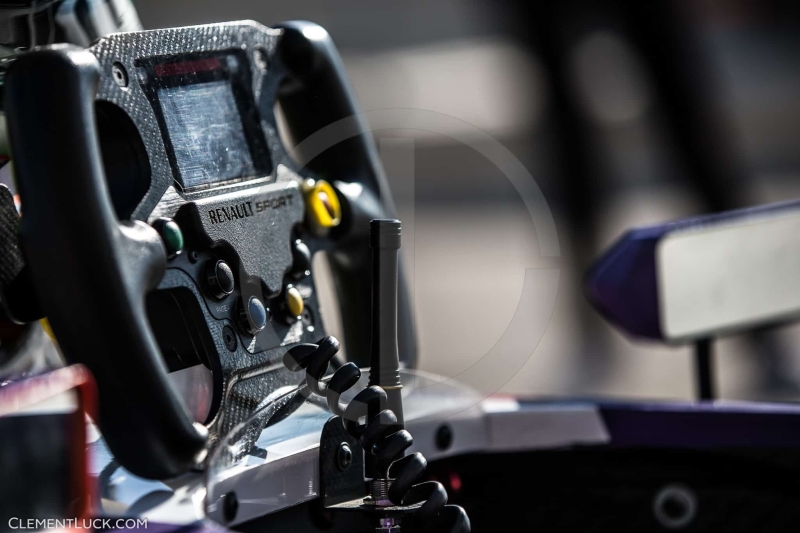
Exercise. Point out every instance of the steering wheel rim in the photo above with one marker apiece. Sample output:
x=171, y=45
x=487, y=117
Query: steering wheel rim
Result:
x=81, y=253
x=310, y=56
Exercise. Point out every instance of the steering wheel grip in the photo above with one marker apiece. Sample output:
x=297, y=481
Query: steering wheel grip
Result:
x=92, y=272
x=316, y=94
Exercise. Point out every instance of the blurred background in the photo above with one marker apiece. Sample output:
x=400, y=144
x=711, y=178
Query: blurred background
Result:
x=624, y=113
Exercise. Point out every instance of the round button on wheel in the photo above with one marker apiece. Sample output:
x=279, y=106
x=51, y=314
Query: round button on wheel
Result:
x=323, y=210
x=294, y=304
x=219, y=278
x=301, y=259
x=252, y=315
x=171, y=235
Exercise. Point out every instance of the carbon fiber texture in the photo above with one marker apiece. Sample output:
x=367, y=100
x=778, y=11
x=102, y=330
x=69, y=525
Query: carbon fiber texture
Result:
x=11, y=261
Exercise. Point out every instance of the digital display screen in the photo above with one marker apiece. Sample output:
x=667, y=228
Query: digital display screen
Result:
x=206, y=131
x=208, y=118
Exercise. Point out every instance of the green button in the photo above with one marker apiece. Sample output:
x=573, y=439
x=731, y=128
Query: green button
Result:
x=171, y=234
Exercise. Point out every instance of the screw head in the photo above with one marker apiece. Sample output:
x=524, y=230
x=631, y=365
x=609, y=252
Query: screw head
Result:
x=344, y=456
x=260, y=58
x=120, y=74
x=675, y=506
x=229, y=337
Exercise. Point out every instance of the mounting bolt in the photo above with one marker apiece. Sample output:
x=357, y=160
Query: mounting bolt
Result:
x=344, y=457
x=260, y=58
x=230, y=506
x=120, y=74
x=229, y=336
x=675, y=506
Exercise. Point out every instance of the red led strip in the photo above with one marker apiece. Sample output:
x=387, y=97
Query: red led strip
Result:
x=187, y=67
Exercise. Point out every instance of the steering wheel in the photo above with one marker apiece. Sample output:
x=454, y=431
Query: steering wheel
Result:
x=151, y=256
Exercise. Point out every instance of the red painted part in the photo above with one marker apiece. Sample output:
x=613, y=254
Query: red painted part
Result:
x=187, y=67
x=30, y=391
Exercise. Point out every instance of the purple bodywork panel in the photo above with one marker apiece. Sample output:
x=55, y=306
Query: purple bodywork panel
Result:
x=622, y=283
x=702, y=425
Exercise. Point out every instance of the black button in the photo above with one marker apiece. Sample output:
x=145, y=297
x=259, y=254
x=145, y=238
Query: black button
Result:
x=252, y=315
x=219, y=278
x=301, y=259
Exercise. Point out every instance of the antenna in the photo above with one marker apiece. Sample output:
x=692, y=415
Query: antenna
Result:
x=384, y=239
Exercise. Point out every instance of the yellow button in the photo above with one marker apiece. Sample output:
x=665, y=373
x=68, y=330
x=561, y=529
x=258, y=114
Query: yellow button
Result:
x=294, y=302
x=324, y=211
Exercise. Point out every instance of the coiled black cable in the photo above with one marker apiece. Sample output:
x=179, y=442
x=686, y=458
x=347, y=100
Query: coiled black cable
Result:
x=380, y=436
